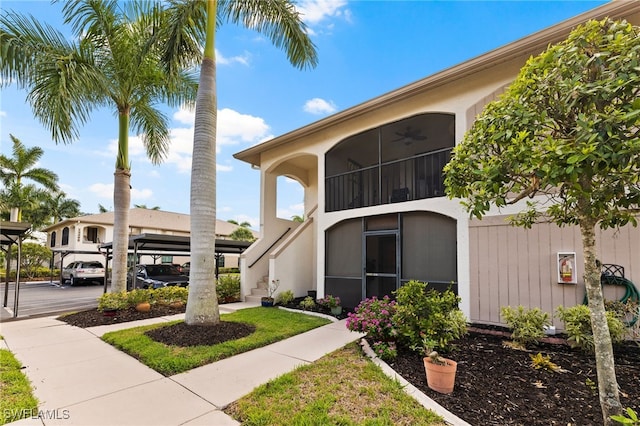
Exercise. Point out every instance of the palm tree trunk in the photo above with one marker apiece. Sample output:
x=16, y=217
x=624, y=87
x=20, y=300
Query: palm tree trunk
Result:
x=121, y=203
x=202, y=304
x=121, y=200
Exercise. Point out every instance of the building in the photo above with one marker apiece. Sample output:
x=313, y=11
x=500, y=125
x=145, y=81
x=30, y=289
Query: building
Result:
x=375, y=211
x=79, y=238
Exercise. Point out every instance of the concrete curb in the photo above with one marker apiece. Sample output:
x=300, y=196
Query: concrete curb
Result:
x=423, y=399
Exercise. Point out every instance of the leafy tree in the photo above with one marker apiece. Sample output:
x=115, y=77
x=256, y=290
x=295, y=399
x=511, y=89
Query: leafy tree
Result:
x=32, y=257
x=245, y=224
x=194, y=22
x=242, y=234
x=102, y=209
x=112, y=61
x=566, y=135
x=235, y=222
x=22, y=165
x=297, y=218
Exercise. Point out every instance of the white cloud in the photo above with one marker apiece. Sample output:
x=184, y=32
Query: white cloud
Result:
x=223, y=60
x=319, y=106
x=223, y=168
x=314, y=11
x=290, y=211
x=3, y=113
x=140, y=194
x=254, y=221
x=102, y=190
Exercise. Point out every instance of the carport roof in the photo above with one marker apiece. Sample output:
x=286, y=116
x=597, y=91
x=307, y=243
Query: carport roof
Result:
x=176, y=243
x=11, y=231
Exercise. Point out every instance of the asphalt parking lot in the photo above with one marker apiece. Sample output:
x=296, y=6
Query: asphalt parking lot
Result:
x=40, y=298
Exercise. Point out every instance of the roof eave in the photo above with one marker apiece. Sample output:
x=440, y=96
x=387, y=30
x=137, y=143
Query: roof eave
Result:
x=535, y=42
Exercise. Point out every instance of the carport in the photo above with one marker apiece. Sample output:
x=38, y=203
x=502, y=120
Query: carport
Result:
x=162, y=244
x=12, y=233
x=64, y=253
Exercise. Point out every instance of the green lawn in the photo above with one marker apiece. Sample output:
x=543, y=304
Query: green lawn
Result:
x=342, y=388
x=16, y=398
x=271, y=325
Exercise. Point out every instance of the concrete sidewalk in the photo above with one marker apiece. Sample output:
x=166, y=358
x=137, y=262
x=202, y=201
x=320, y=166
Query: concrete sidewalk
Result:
x=81, y=380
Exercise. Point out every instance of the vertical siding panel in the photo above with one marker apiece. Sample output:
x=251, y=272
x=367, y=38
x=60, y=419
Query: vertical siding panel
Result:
x=546, y=283
x=633, y=273
x=572, y=241
x=503, y=272
x=511, y=262
x=483, y=260
x=555, y=245
x=521, y=258
x=533, y=266
x=494, y=268
x=474, y=275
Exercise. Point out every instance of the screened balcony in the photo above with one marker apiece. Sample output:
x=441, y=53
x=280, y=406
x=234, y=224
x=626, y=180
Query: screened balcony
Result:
x=398, y=162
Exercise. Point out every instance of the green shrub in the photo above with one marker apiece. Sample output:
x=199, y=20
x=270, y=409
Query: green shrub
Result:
x=527, y=325
x=577, y=321
x=285, y=297
x=426, y=318
x=139, y=295
x=307, y=303
x=116, y=301
x=168, y=295
x=228, y=288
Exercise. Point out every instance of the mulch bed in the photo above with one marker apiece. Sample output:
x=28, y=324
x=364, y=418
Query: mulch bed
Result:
x=93, y=317
x=495, y=385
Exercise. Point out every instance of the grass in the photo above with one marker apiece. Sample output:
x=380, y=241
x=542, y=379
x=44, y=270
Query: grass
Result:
x=271, y=325
x=16, y=397
x=342, y=388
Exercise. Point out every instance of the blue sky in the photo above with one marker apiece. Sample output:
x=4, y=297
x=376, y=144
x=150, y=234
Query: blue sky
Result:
x=365, y=49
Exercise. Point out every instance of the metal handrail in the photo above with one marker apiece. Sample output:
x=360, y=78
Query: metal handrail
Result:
x=270, y=247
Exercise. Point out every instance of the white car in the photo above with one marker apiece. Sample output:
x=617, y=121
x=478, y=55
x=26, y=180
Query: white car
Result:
x=83, y=271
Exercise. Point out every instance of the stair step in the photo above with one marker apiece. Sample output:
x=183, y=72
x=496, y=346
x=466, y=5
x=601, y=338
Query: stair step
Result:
x=252, y=299
x=259, y=292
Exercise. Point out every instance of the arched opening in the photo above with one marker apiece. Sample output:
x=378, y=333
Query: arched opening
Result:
x=65, y=236
x=396, y=162
x=375, y=255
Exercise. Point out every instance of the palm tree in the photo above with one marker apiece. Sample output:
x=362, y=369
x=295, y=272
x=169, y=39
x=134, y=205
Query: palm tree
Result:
x=22, y=166
x=113, y=61
x=192, y=21
x=144, y=206
x=58, y=207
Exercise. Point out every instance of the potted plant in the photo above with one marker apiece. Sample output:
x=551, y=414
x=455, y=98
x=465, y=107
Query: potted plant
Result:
x=110, y=303
x=268, y=301
x=441, y=372
x=332, y=303
x=428, y=320
x=140, y=299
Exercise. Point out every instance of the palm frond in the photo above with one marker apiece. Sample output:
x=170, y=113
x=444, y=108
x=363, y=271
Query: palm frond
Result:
x=154, y=130
x=279, y=21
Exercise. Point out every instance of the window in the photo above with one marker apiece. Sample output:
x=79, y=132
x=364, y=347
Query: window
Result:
x=65, y=236
x=397, y=162
x=53, y=239
x=167, y=259
x=92, y=234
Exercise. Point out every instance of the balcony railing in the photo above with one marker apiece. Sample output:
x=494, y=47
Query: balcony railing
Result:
x=408, y=179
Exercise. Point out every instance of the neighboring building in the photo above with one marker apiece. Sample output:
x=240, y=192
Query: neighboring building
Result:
x=375, y=211
x=78, y=237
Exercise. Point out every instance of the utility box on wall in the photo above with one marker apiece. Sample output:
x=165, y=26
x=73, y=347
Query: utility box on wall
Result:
x=566, y=265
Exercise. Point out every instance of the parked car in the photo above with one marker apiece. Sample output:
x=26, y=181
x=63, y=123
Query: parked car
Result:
x=156, y=276
x=83, y=271
x=184, y=268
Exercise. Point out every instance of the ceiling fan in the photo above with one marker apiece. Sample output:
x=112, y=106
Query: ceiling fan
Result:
x=409, y=135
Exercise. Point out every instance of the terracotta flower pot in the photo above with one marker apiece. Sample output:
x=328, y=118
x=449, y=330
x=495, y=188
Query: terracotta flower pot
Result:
x=440, y=378
x=143, y=307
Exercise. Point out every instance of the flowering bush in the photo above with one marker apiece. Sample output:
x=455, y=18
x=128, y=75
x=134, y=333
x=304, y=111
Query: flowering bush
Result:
x=386, y=351
x=329, y=301
x=373, y=317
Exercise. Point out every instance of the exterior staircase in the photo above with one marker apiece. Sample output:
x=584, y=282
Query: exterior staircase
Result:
x=257, y=293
